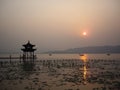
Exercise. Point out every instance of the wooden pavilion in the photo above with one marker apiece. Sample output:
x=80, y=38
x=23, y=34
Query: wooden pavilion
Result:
x=28, y=52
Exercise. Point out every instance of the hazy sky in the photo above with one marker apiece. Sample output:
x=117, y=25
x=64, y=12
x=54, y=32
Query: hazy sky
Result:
x=58, y=24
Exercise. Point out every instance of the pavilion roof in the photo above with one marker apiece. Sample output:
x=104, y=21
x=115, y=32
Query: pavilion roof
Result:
x=28, y=44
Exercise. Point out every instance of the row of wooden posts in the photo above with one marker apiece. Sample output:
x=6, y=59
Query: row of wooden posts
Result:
x=20, y=58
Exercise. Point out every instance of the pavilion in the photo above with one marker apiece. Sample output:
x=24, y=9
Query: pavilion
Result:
x=28, y=52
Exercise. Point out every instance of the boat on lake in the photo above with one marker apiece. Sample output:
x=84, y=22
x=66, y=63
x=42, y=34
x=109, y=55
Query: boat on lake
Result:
x=108, y=54
x=50, y=54
x=81, y=54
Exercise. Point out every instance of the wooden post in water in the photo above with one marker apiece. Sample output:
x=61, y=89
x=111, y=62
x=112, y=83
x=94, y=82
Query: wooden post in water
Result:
x=20, y=58
x=10, y=58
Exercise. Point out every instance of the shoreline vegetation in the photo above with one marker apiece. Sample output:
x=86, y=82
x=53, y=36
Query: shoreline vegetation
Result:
x=64, y=74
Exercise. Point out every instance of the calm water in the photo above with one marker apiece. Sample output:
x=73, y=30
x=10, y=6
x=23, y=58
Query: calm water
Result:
x=77, y=56
x=101, y=72
x=70, y=56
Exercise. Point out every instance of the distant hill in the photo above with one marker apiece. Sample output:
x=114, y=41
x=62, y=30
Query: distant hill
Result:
x=92, y=49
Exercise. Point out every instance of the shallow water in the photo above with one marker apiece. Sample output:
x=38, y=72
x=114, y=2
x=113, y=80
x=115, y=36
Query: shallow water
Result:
x=67, y=56
x=62, y=72
x=67, y=74
x=77, y=56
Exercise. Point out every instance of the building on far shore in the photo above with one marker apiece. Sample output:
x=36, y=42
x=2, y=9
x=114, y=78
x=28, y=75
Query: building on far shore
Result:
x=28, y=52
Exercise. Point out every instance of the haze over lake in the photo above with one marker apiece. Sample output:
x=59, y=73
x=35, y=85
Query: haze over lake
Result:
x=58, y=24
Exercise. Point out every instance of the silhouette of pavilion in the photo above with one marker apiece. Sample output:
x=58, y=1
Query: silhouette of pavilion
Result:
x=28, y=52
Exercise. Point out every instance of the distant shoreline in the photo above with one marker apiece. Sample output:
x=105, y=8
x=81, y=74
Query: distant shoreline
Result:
x=87, y=50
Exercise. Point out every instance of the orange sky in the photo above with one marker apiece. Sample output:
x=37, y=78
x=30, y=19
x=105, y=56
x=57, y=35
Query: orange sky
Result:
x=58, y=24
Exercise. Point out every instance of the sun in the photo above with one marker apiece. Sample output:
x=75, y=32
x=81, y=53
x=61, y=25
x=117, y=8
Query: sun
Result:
x=84, y=33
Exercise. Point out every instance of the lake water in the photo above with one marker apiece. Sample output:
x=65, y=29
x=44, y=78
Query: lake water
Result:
x=62, y=72
x=77, y=56
x=69, y=56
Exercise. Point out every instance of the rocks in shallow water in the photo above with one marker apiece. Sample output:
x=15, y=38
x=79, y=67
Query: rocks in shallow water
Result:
x=65, y=73
x=20, y=81
x=35, y=79
x=26, y=87
x=40, y=89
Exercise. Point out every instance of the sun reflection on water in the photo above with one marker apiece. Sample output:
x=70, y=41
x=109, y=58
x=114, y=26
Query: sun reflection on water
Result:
x=84, y=59
x=84, y=72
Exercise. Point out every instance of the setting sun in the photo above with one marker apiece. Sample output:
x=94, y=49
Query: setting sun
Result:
x=84, y=33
